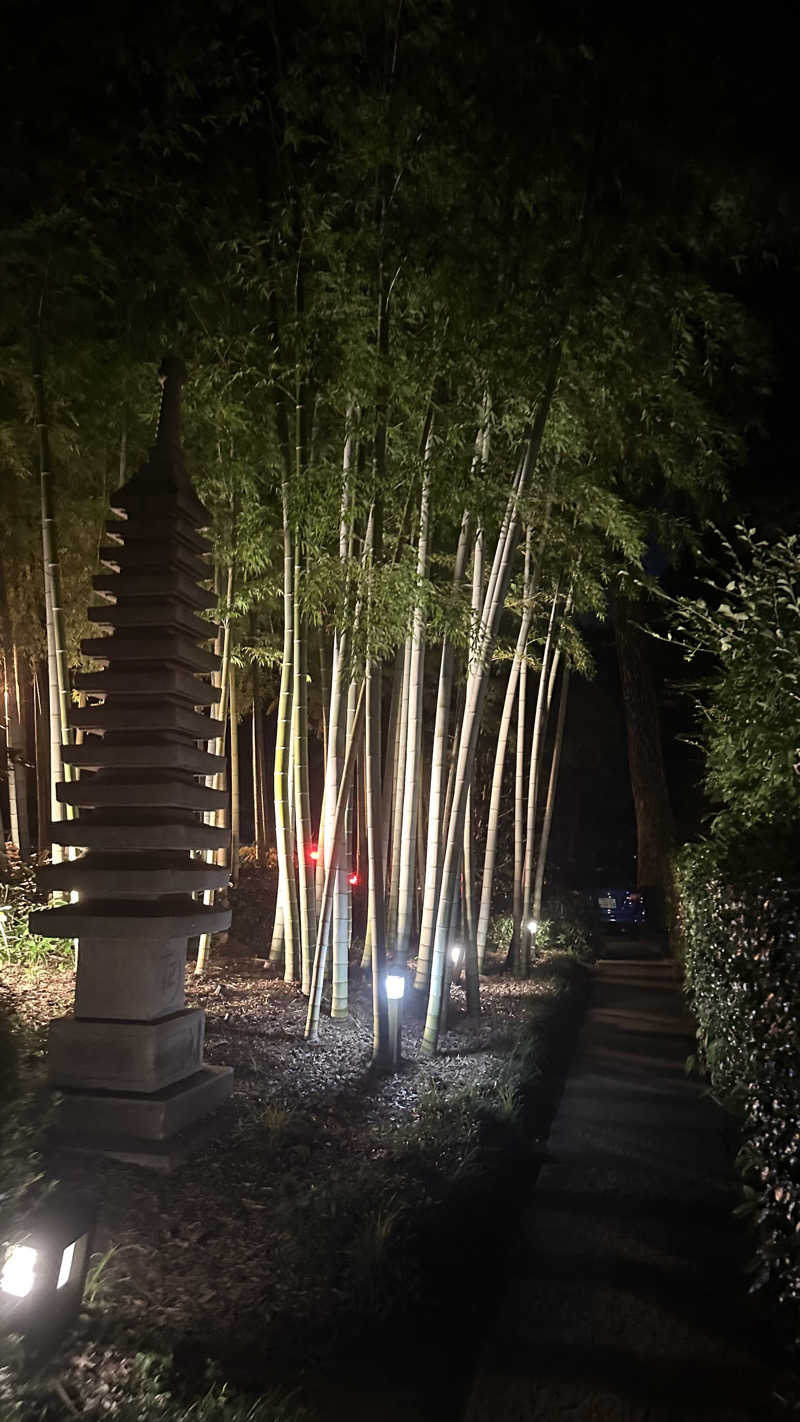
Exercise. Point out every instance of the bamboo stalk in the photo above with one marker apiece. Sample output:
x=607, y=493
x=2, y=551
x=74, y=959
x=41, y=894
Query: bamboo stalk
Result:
x=326, y=903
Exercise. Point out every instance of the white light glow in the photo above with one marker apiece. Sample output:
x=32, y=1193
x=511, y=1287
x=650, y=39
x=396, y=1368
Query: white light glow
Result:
x=395, y=985
x=455, y=953
x=66, y=1264
x=18, y=1271
x=532, y=925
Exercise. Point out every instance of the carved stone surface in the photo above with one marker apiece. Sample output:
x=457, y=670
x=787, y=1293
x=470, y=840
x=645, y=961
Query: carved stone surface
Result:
x=130, y=1060
x=125, y=1056
x=141, y=983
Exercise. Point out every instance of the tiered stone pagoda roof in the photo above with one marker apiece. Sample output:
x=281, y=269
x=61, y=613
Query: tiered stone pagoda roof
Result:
x=129, y=1063
x=138, y=790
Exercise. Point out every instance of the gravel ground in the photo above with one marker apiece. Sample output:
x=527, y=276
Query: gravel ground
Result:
x=228, y=1248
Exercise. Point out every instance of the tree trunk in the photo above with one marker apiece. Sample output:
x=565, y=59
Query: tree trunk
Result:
x=534, y=765
x=344, y=793
x=58, y=671
x=398, y=796
x=519, y=814
x=655, y=828
x=258, y=771
x=305, y=864
x=406, y=877
x=493, y=822
x=324, y=689
x=283, y=828
x=433, y=856
x=391, y=756
x=544, y=844
x=42, y=755
x=468, y=916
x=235, y=802
x=377, y=914
x=15, y=732
x=471, y=974
x=494, y=600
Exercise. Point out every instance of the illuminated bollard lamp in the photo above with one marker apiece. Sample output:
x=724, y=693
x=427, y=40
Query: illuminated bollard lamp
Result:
x=43, y=1272
x=456, y=954
x=395, y=991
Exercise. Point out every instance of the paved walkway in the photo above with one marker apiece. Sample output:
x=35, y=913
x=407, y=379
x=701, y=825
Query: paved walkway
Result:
x=628, y=1303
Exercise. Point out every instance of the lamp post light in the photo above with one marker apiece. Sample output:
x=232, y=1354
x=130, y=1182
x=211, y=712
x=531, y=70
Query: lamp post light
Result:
x=395, y=989
x=456, y=954
x=42, y=1275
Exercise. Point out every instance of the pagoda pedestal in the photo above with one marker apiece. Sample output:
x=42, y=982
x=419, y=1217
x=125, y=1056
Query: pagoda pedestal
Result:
x=128, y=1063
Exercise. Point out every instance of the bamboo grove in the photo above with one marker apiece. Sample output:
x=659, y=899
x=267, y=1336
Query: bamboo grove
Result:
x=461, y=338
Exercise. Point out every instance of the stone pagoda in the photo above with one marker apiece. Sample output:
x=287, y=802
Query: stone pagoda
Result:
x=129, y=1064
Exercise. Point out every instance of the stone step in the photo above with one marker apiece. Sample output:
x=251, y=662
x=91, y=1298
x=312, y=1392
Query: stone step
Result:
x=98, y=754
x=94, y=1115
x=153, y=584
x=125, y=1056
x=128, y=919
x=119, y=648
x=88, y=792
x=147, y=716
x=155, y=681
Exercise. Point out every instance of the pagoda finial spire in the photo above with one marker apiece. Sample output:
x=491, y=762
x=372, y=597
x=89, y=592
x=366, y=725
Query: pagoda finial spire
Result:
x=172, y=376
x=165, y=467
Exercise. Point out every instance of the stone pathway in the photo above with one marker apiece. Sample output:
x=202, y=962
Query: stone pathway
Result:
x=628, y=1302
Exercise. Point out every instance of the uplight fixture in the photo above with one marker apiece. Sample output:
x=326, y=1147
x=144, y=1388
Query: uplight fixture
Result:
x=395, y=986
x=532, y=925
x=43, y=1272
x=395, y=990
x=19, y=1271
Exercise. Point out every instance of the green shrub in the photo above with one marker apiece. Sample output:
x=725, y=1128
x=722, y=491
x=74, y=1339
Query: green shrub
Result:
x=749, y=624
x=567, y=927
x=740, y=926
x=18, y=898
x=501, y=931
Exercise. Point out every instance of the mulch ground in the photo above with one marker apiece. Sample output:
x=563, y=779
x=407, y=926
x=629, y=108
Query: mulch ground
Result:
x=252, y=1248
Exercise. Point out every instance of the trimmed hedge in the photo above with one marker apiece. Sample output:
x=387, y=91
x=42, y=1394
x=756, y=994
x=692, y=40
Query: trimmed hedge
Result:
x=740, y=926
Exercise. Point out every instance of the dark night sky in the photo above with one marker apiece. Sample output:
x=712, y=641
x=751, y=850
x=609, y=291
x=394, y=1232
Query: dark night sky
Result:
x=593, y=830
x=752, y=54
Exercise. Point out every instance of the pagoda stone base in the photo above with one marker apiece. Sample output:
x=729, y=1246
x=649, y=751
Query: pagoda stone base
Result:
x=92, y=1115
x=130, y=984
x=164, y=1155
x=125, y=1056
